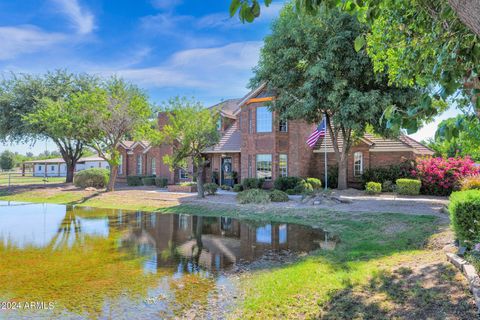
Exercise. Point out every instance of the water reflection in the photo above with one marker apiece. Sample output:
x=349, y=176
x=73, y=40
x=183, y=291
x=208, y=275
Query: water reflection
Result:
x=178, y=257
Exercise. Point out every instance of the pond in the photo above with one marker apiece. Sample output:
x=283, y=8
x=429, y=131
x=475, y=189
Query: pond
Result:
x=84, y=263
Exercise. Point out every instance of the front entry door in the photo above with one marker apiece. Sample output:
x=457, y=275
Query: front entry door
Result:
x=227, y=177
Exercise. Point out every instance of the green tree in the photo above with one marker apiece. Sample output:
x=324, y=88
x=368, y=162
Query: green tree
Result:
x=191, y=129
x=33, y=107
x=112, y=112
x=7, y=160
x=311, y=64
x=416, y=42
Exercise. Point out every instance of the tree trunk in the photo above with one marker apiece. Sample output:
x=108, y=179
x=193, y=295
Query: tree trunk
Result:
x=70, y=171
x=200, y=190
x=342, y=172
x=113, y=177
x=468, y=11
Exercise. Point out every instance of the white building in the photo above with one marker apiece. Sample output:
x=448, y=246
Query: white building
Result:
x=57, y=167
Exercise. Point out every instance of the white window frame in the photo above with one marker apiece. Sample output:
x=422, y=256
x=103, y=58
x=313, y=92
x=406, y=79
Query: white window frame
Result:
x=283, y=169
x=259, y=168
x=139, y=165
x=154, y=166
x=264, y=124
x=357, y=164
x=182, y=174
x=280, y=126
x=120, y=165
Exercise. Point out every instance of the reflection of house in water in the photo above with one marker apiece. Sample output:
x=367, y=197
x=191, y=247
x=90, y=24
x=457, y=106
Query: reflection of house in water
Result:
x=212, y=243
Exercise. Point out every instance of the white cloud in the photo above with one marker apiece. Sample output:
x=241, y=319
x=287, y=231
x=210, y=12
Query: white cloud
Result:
x=25, y=39
x=82, y=18
x=164, y=23
x=221, y=70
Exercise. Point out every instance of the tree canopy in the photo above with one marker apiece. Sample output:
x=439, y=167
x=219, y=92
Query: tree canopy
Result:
x=7, y=160
x=191, y=129
x=311, y=64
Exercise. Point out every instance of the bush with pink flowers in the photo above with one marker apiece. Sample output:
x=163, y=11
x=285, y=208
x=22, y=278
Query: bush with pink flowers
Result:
x=441, y=176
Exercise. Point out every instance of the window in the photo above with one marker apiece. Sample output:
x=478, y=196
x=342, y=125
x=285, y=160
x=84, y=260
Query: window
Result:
x=283, y=165
x=139, y=164
x=182, y=174
x=120, y=165
x=264, y=166
x=183, y=221
x=357, y=164
x=154, y=167
x=219, y=124
x=283, y=126
x=249, y=166
x=282, y=234
x=264, y=119
x=39, y=168
x=264, y=234
x=52, y=168
x=249, y=120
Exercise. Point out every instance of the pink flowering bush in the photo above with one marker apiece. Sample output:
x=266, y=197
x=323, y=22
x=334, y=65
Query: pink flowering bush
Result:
x=441, y=176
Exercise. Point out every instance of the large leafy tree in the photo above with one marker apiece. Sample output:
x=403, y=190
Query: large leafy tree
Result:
x=33, y=107
x=311, y=64
x=417, y=42
x=114, y=111
x=191, y=129
x=7, y=160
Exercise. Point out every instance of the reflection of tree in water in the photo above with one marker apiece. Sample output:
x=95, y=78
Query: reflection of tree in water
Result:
x=77, y=271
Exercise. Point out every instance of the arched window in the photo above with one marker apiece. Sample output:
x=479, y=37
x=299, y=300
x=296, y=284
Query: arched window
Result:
x=357, y=164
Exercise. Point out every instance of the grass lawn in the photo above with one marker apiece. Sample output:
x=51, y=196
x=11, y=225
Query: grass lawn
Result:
x=17, y=180
x=385, y=265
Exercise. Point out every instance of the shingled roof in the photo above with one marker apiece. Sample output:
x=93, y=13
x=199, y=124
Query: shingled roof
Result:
x=227, y=107
x=379, y=144
x=231, y=141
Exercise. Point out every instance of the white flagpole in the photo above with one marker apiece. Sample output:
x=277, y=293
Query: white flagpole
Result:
x=325, y=147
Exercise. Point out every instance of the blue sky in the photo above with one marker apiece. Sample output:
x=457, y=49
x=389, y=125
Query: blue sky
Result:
x=167, y=47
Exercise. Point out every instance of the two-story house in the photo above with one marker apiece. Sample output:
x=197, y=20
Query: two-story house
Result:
x=256, y=143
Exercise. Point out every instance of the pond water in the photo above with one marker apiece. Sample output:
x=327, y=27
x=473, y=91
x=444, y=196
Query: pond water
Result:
x=83, y=263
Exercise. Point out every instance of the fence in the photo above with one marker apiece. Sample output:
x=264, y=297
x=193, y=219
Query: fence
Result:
x=9, y=179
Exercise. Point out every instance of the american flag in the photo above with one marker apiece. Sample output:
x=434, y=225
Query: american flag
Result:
x=320, y=131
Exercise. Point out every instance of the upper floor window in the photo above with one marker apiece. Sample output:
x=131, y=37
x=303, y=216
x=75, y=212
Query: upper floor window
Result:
x=283, y=126
x=249, y=120
x=264, y=119
x=357, y=164
x=264, y=166
x=283, y=165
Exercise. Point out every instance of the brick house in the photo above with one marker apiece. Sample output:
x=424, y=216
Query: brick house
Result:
x=255, y=143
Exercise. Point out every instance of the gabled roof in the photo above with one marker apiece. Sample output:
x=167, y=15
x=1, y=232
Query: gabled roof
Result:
x=127, y=144
x=252, y=94
x=231, y=141
x=380, y=144
x=227, y=107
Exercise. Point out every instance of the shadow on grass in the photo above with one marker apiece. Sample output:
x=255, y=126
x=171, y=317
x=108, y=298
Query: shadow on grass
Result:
x=429, y=293
x=84, y=199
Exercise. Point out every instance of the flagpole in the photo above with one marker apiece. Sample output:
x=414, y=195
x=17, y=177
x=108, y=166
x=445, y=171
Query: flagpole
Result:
x=325, y=148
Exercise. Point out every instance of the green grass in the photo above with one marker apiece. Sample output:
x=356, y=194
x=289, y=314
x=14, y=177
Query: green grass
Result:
x=17, y=179
x=369, y=244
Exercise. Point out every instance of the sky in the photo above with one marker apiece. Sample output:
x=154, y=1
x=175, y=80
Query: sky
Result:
x=168, y=47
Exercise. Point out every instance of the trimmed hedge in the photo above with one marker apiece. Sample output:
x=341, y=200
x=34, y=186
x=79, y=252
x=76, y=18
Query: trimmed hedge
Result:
x=161, y=182
x=91, y=178
x=253, y=183
x=285, y=183
x=388, y=173
x=388, y=186
x=464, y=211
x=373, y=187
x=315, y=183
x=256, y=196
x=409, y=187
x=210, y=188
x=238, y=187
x=278, y=196
x=148, y=181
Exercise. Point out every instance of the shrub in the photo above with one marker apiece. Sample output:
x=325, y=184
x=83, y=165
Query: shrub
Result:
x=225, y=187
x=238, y=188
x=285, y=183
x=161, y=182
x=441, y=176
x=470, y=183
x=388, y=173
x=134, y=180
x=332, y=177
x=387, y=186
x=91, y=178
x=148, y=181
x=257, y=196
x=211, y=188
x=278, y=196
x=253, y=183
x=188, y=183
x=315, y=183
x=408, y=186
x=464, y=211
x=373, y=187
x=290, y=192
